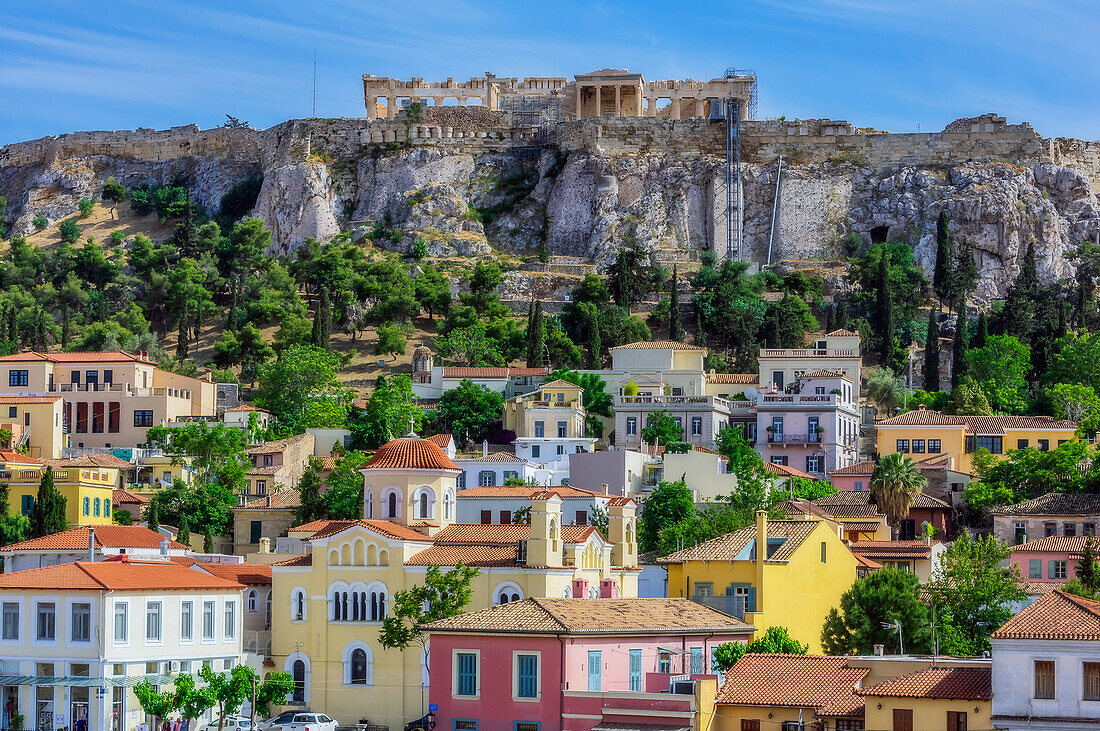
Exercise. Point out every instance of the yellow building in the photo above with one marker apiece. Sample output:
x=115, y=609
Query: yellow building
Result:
x=925, y=432
x=34, y=422
x=549, y=423
x=794, y=583
x=328, y=602
x=88, y=488
x=951, y=698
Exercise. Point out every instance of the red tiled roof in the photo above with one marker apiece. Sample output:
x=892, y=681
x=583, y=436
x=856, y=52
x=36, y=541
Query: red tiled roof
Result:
x=242, y=573
x=784, y=471
x=857, y=503
x=10, y=456
x=727, y=547
x=950, y=683
x=106, y=536
x=560, y=383
x=492, y=457
x=893, y=549
x=617, y=501
x=282, y=500
x=1054, y=544
x=507, y=372
x=275, y=446
x=305, y=559
x=865, y=467
x=976, y=424
x=657, y=345
x=734, y=378
x=486, y=545
x=384, y=527
x=125, y=497
x=30, y=399
x=525, y=492
x=842, y=334
x=443, y=440
x=1055, y=503
x=412, y=453
x=1054, y=616
x=123, y=574
x=311, y=527
x=108, y=461
x=105, y=356
x=866, y=562
x=825, y=683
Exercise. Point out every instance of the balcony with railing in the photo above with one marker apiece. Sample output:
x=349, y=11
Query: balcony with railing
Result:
x=124, y=389
x=811, y=400
x=683, y=403
x=809, y=352
x=809, y=439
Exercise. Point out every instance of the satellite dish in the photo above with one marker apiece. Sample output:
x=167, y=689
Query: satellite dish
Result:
x=751, y=393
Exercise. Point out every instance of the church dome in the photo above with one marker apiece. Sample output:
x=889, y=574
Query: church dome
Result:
x=410, y=453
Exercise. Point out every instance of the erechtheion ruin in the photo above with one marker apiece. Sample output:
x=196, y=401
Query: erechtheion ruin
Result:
x=607, y=92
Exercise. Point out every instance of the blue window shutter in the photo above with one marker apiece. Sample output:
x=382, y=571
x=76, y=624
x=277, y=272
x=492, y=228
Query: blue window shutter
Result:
x=1050, y=569
x=751, y=601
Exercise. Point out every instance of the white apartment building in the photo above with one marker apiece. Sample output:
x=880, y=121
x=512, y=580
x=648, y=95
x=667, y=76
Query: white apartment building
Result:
x=76, y=637
x=89, y=543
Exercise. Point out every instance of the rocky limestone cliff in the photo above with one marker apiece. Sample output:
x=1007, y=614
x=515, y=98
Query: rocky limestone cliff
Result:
x=470, y=192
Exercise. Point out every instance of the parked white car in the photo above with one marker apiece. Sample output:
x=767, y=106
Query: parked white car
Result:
x=232, y=723
x=306, y=722
x=278, y=720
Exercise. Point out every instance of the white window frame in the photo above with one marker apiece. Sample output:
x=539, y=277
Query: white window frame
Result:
x=229, y=620
x=455, y=652
x=538, y=676
x=213, y=636
x=154, y=610
x=124, y=641
x=189, y=625
x=72, y=604
x=18, y=602
x=40, y=603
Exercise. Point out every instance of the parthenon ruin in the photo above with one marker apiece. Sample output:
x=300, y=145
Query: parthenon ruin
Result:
x=607, y=92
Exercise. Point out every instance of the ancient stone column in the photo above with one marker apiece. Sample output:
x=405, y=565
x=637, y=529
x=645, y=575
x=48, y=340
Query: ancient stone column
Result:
x=391, y=106
x=675, y=109
x=599, y=100
x=372, y=107
x=618, y=100
x=638, y=101
x=579, y=89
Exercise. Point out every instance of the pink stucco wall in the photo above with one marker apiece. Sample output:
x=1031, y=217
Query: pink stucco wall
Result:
x=496, y=710
x=848, y=482
x=1021, y=560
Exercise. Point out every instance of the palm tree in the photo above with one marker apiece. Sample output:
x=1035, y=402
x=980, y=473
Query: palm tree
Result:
x=894, y=483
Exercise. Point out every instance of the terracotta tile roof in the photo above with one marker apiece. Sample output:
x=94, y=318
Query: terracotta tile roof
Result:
x=842, y=334
x=824, y=683
x=976, y=424
x=491, y=457
x=950, y=683
x=443, y=440
x=617, y=501
x=593, y=616
x=115, y=575
x=105, y=356
x=727, y=547
x=107, y=461
x=1054, y=616
x=798, y=506
x=865, y=467
x=386, y=528
x=1055, y=503
x=5, y=400
x=311, y=527
x=106, y=536
x=784, y=471
x=851, y=503
x=1038, y=588
x=658, y=345
x=480, y=555
x=824, y=373
x=893, y=549
x=125, y=497
x=276, y=445
x=507, y=372
x=862, y=526
x=269, y=470
x=242, y=573
x=10, y=456
x=560, y=383
x=734, y=378
x=305, y=559
x=282, y=500
x=866, y=562
x=525, y=492
x=487, y=545
x=1054, y=544
x=404, y=454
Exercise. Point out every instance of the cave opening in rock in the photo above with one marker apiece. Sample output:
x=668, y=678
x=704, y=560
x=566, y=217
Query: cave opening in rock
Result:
x=878, y=234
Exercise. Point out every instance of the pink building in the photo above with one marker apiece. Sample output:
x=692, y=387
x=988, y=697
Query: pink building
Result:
x=570, y=664
x=812, y=425
x=1051, y=559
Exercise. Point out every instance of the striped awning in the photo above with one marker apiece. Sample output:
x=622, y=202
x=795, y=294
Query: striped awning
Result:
x=80, y=681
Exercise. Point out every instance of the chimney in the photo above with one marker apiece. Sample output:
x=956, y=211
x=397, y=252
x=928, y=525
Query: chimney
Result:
x=605, y=489
x=927, y=540
x=580, y=588
x=91, y=543
x=761, y=556
x=163, y=546
x=484, y=447
x=879, y=650
x=265, y=545
x=607, y=589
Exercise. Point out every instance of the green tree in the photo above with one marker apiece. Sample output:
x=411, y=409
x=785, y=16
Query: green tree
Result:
x=208, y=542
x=1077, y=403
x=245, y=347
x=631, y=277
x=958, y=350
x=943, y=255
x=152, y=519
x=441, y=596
x=1088, y=569
x=1076, y=360
x=932, y=354
x=536, y=336
x=433, y=291
x=86, y=206
x=229, y=690
x=662, y=429
x=471, y=346
x=47, y=516
x=973, y=592
x=302, y=390
x=13, y=527
x=216, y=453
x=672, y=503
x=888, y=596
x=471, y=410
x=786, y=322
x=675, y=325
x=113, y=190
x=391, y=341
x=740, y=455
x=155, y=703
x=344, y=494
x=1028, y=473
x=183, y=535
x=69, y=230
x=1000, y=370
x=387, y=413
x=981, y=331
x=776, y=640
x=208, y=507
x=885, y=390
x=894, y=483
x=594, y=397
x=190, y=701
x=968, y=398
x=311, y=504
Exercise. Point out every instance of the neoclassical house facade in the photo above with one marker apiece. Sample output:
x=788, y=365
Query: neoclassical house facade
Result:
x=329, y=601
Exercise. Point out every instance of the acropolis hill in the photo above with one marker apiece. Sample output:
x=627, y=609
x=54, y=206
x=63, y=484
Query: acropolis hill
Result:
x=580, y=166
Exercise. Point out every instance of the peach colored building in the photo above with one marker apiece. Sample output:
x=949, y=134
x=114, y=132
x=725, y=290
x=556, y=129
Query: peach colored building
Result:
x=109, y=398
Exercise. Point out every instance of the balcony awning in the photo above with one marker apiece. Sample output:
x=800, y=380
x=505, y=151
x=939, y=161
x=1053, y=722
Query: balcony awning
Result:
x=81, y=681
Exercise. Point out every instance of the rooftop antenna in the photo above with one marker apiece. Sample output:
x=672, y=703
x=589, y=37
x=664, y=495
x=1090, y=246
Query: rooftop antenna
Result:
x=314, y=83
x=896, y=624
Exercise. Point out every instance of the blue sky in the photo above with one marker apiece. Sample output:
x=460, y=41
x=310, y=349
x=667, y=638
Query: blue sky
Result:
x=892, y=64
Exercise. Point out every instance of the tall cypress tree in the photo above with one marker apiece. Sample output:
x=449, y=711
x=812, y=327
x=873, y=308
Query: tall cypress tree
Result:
x=48, y=514
x=184, y=533
x=312, y=506
x=981, y=331
x=152, y=516
x=932, y=354
x=208, y=542
x=958, y=350
x=675, y=326
x=181, y=336
x=943, y=255
x=841, y=305
x=536, y=335
x=885, y=312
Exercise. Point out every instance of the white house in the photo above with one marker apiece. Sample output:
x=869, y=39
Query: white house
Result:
x=95, y=629
x=509, y=381
x=487, y=505
x=493, y=468
x=89, y=543
x=1046, y=666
